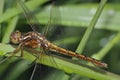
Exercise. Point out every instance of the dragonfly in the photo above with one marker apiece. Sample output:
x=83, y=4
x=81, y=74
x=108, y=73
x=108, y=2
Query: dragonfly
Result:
x=34, y=39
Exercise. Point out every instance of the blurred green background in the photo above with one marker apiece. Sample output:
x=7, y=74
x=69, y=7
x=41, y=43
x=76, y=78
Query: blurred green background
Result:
x=70, y=19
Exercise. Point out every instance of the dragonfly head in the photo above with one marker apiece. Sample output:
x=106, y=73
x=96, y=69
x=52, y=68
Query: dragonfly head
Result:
x=15, y=37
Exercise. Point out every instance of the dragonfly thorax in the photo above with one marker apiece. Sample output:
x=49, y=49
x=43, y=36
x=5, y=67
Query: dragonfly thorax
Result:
x=34, y=40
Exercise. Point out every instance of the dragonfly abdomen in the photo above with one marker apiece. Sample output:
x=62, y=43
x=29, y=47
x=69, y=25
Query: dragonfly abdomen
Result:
x=55, y=48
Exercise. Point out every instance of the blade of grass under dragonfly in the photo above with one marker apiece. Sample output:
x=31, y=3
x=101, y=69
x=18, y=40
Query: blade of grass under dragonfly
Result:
x=71, y=67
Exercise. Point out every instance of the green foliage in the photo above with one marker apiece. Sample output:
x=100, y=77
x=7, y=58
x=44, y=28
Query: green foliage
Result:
x=102, y=38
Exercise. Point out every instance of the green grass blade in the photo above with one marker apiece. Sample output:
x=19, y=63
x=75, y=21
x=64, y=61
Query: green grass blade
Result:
x=10, y=28
x=69, y=67
x=11, y=12
x=109, y=19
x=91, y=26
x=17, y=70
x=107, y=47
x=1, y=11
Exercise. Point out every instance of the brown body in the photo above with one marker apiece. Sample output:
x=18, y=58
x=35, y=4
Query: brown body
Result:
x=34, y=40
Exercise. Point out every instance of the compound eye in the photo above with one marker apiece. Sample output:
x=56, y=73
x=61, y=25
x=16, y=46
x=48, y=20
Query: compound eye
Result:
x=15, y=37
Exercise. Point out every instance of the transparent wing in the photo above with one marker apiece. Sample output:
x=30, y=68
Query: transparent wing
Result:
x=29, y=16
x=54, y=19
x=53, y=30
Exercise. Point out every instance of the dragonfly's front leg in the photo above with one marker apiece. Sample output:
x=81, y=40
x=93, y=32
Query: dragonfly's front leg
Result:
x=13, y=53
x=17, y=50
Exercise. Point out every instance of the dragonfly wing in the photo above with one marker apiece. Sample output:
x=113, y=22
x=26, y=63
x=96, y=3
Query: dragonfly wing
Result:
x=54, y=18
x=31, y=19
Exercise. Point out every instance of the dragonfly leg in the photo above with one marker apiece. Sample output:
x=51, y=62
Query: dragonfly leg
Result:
x=21, y=51
x=12, y=54
x=17, y=49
